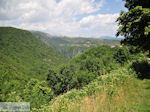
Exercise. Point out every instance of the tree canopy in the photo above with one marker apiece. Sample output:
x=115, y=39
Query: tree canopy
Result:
x=134, y=24
x=130, y=4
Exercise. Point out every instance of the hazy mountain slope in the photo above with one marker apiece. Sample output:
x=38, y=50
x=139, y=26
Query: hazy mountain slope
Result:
x=69, y=47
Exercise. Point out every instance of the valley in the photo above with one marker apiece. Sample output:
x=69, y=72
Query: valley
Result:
x=61, y=74
x=74, y=56
x=71, y=46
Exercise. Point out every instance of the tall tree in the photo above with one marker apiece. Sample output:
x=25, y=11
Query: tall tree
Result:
x=134, y=24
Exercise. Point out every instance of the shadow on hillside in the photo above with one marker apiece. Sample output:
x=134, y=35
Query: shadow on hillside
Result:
x=142, y=68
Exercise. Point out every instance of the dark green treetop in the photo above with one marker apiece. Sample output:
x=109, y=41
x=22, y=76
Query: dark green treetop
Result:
x=134, y=24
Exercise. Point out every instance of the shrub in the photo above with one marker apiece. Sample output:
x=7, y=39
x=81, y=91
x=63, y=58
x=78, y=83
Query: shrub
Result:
x=142, y=68
x=122, y=55
x=37, y=93
x=62, y=81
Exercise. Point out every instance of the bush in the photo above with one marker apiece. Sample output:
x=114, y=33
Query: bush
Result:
x=37, y=93
x=84, y=78
x=62, y=81
x=122, y=55
x=142, y=68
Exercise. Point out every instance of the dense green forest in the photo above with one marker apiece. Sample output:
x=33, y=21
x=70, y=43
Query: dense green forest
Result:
x=61, y=74
x=24, y=60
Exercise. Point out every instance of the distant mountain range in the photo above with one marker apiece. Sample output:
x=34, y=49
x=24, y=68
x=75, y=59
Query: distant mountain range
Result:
x=69, y=47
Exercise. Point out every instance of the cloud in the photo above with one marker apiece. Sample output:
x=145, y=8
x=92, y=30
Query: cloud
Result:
x=101, y=24
x=58, y=17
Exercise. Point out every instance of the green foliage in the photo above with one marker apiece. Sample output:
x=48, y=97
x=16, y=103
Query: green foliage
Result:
x=130, y=4
x=24, y=61
x=134, y=24
x=96, y=60
x=62, y=81
x=142, y=68
x=126, y=54
x=37, y=93
x=122, y=55
x=86, y=67
x=116, y=92
x=82, y=69
x=23, y=57
x=84, y=77
x=22, y=52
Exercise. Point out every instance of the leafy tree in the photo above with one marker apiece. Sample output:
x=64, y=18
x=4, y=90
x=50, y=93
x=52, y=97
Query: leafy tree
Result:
x=122, y=55
x=53, y=80
x=130, y=4
x=92, y=65
x=84, y=78
x=134, y=24
x=142, y=68
x=62, y=81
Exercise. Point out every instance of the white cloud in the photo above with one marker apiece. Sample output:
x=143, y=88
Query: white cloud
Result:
x=58, y=17
x=102, y=24
x=77, y=7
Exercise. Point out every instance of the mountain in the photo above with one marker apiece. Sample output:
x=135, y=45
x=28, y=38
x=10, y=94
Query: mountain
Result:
x=24, y=64
x=103, y=75
x=23, y=53
x=23, y=57
x=69, y=47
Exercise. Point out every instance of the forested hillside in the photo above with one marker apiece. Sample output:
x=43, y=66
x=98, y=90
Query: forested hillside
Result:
x=102, y=79
x=23, y=57
x=21, y=48
x=61, y=74
x=33, y=71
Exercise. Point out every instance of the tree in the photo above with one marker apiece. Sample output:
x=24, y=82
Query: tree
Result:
x=122, y=55
x=134, y=24
x=54, y=81
x=64, y=80
x=130, y=4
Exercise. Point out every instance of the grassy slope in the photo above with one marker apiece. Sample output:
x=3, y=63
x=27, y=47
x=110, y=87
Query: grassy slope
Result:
x=117, y=91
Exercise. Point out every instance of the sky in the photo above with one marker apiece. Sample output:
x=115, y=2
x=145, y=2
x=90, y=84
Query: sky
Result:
x=73, y=18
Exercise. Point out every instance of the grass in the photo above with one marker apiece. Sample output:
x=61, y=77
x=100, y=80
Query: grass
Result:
x=118, y=91
x=127, y=99
x=145, y=105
